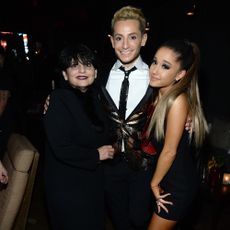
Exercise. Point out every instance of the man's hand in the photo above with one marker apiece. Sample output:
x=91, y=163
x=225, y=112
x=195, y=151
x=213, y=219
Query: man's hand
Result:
x=46, y=105
x=188, y=124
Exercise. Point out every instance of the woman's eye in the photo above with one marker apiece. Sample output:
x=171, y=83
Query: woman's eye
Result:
x=164, y=66
x=74, y=66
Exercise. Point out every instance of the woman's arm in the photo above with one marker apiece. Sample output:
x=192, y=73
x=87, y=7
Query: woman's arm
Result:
x=63, y=114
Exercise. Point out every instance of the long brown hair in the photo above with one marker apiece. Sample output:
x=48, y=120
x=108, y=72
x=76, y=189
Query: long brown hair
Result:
x=188, y=54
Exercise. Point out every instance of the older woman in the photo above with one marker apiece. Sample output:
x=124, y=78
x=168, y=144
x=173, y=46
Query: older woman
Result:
x=77, y=140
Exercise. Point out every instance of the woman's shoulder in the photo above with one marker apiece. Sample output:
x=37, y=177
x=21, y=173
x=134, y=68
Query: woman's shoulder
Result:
x=63, y=96
x=61, y=92
x=180, y=105
x=181, y=100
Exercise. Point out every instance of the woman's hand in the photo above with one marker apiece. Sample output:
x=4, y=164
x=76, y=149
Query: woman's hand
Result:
x=160, y=195
x=106, y=152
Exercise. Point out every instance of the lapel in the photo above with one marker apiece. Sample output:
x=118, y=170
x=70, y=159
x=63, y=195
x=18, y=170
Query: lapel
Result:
x=104, y=75
x=148, y=97
x=109, y=99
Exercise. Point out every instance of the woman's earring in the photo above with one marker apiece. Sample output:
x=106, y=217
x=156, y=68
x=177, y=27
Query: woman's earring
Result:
x=175, y=81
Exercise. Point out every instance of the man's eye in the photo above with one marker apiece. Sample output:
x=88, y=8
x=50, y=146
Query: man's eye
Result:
x=117, y=38
x=134, y=37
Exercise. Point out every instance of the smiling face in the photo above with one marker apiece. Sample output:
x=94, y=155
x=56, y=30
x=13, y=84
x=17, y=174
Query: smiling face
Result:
x=80, y=76
x=127, y=40
x=165, y=69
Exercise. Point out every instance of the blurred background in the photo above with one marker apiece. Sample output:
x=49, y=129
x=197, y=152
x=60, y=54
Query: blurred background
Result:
x=33, y=31
x=45, y=25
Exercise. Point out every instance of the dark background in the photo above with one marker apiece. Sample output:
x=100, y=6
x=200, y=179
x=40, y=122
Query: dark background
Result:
x=52, y=23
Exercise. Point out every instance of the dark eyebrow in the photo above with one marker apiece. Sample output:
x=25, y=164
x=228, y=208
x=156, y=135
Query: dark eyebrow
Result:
x=166, y=62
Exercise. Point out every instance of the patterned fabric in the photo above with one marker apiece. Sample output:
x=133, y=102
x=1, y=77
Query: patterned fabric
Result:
x=128, y=129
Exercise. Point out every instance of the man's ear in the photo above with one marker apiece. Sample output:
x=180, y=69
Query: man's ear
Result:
x=144, y=39
x=180, y=75
x=111, y=40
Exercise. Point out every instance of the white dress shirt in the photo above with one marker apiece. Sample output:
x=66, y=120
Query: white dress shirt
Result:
x=138, y=84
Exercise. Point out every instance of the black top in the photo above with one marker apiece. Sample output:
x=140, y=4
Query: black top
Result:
x=75, y=125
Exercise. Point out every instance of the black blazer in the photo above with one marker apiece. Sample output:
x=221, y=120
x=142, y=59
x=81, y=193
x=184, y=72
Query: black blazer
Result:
x=102, y=80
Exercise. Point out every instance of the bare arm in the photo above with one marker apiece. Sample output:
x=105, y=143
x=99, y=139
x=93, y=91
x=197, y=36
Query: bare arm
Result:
x=175, y=126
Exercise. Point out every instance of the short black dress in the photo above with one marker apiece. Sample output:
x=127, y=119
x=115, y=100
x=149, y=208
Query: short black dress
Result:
x=181, y=181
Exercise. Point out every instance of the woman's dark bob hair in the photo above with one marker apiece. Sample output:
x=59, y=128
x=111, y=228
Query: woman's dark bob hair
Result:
x=76, y=53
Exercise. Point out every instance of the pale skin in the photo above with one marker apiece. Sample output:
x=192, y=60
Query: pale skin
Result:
x=127, y=41
x=163, y=73
x=81, y=77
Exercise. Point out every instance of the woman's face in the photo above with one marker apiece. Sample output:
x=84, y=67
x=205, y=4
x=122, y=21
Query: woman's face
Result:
x=165, y=69
x=80, y=76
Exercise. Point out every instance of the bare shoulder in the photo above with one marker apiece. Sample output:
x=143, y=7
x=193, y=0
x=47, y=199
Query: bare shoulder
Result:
x=179, y=108
x=181, y=102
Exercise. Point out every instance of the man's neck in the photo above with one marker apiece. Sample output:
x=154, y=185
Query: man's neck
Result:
x=128, y=66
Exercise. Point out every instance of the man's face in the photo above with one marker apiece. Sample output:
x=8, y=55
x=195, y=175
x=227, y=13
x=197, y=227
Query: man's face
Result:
x=127, y=41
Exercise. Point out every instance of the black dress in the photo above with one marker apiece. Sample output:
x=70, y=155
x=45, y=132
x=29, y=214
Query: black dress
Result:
x=181, y=180
x=75, y=126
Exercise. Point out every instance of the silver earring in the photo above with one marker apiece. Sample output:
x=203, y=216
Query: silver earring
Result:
x=176, y=81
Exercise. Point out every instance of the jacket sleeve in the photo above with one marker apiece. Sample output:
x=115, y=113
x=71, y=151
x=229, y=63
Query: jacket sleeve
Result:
x=61, y=136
